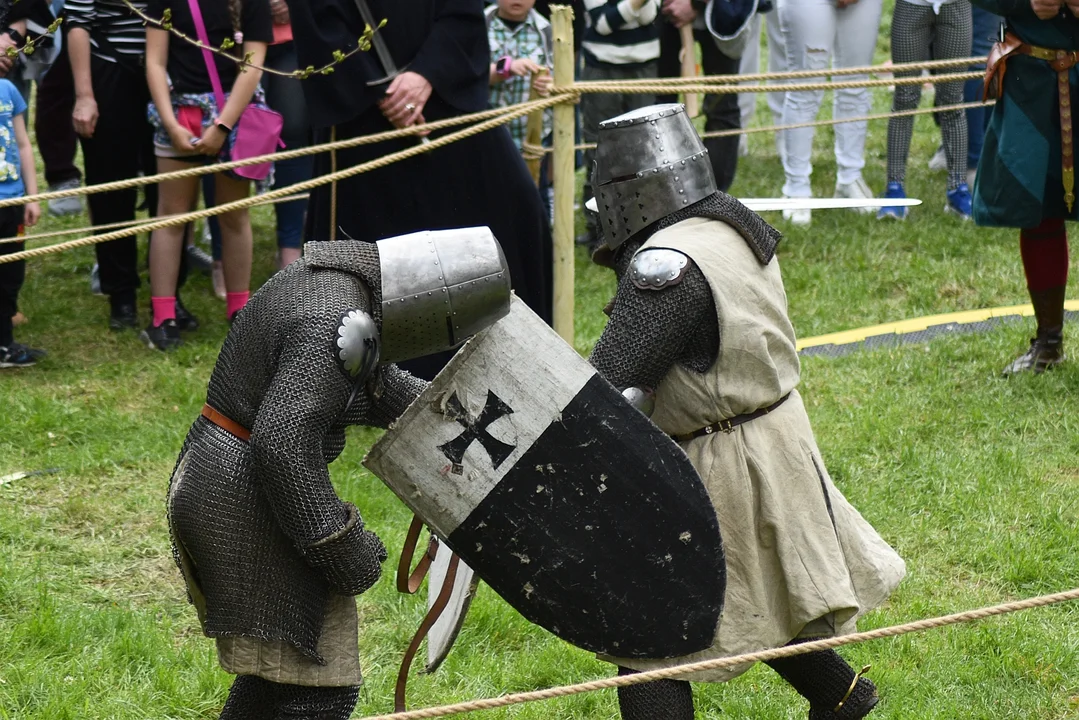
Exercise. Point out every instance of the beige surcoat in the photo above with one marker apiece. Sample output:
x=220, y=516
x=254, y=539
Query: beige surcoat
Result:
x=801, y=561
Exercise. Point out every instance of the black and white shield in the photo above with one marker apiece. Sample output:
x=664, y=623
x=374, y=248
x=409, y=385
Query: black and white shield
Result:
x=572, y=505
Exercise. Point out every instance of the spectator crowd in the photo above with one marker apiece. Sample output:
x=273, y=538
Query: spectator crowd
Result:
x=139, y=100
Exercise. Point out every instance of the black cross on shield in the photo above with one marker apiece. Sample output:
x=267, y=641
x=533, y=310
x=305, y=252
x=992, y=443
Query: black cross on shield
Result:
x=493, y=409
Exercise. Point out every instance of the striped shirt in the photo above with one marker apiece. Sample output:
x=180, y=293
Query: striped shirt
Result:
x=616, y=34
x=122, y=30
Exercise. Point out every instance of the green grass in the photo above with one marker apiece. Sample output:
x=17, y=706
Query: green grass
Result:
x=972, y=478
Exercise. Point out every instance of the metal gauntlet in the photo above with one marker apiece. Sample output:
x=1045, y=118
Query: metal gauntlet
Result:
x=350, y=559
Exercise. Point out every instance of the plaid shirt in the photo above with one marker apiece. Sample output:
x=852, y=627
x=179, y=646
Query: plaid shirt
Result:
x=531, y=39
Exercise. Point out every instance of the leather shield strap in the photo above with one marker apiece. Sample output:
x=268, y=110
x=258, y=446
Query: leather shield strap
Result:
x=410, y=583
x=228, y=425
x=429, y=620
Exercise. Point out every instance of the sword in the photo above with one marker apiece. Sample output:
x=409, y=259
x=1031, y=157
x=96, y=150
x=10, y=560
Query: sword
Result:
x=382, y=51
x=766, y=204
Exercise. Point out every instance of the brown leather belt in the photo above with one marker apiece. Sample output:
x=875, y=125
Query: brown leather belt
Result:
x=230, y=426
x=730, y=424
x=1061, y=61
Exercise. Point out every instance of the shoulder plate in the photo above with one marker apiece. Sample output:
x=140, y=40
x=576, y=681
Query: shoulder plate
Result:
x=657, y=268
x=357, y=343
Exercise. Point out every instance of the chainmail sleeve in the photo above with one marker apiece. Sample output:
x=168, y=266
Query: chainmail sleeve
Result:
x=296, y=419
x=650, y=330
x=392, y=392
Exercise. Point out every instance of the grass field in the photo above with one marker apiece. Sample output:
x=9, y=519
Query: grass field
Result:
x=972, y=478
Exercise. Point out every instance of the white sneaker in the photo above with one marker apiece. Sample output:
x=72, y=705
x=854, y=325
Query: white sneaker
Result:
x=801, y=217
x=65, y=206
x=939, y=161
x=856, y=190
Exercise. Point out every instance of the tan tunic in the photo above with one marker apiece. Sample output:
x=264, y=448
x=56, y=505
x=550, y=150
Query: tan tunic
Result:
x=801, y=561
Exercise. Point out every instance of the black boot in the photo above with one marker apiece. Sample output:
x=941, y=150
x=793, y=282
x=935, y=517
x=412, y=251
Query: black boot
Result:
x=833, y=689
x=656, y=700
x=1047, y=347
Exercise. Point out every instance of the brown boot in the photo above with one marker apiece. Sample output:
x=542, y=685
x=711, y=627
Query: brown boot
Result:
x=1047, y=347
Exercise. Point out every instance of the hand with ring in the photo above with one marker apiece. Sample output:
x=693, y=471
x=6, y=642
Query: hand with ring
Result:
x=404, y=100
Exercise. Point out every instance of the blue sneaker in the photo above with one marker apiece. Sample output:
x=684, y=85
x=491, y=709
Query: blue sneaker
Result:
x=960, y=202
x=894, y=190
x=16, y=356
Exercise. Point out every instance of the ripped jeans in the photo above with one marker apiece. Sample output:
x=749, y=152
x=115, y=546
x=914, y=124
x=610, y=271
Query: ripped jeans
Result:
x=816, y=35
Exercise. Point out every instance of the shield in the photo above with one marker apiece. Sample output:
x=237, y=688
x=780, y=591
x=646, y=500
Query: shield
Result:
x=444, y=631
x=572, y=505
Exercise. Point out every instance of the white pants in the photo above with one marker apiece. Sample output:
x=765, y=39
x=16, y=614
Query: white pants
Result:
x=815, y=34
x=751, y=64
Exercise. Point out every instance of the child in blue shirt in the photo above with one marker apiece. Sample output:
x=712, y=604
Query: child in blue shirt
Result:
x=17, y=179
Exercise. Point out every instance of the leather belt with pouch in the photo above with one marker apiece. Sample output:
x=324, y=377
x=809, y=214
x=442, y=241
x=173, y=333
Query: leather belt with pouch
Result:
x=1062, y=62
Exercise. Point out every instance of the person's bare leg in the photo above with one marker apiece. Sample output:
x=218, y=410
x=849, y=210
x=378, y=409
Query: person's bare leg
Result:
x=166, y=244
x=236, y=241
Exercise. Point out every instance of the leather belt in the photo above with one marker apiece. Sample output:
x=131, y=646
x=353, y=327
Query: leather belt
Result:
x=230, y=426
x=1062, y=61
x=730, y=424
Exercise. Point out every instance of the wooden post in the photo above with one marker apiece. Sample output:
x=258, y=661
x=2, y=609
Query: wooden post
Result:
x=565, y=185
x=534, y=137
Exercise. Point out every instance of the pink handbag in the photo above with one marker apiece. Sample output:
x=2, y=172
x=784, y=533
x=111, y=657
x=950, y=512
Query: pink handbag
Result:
x=258, y=131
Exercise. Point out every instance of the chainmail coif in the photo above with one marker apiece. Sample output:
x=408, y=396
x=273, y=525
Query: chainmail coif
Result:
x=258, y=524
x=650, y=331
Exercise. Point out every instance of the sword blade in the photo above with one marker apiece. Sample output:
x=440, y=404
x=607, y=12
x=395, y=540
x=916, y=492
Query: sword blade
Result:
x=766, y=204
x=377, y=42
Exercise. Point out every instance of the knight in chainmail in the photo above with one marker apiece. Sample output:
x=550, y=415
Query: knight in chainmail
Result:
x=699, y=338
x=272, y=557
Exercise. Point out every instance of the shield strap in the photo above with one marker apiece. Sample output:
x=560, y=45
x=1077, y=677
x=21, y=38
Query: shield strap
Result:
x=429, y=620
x=410, y=583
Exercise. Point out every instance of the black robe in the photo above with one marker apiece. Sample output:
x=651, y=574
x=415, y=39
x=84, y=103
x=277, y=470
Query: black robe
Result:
x=479, y=181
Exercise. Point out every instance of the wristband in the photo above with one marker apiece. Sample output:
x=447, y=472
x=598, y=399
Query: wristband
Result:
x=222, y=127
x=504, y=67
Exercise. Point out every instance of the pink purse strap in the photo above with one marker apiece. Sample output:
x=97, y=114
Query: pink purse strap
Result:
x=207, y=55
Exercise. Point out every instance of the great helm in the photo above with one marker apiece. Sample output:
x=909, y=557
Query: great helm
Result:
x=438, y=288
x=649, y=163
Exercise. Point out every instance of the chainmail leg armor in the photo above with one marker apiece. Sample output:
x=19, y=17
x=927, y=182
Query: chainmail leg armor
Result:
x=656, y=700
x=316, y=703
x=823, y=678
x=259, y=521
x=678, y=325
x=252, y=698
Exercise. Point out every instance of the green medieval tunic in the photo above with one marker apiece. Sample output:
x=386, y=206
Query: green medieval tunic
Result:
x=801, y=560
x=1019, y=175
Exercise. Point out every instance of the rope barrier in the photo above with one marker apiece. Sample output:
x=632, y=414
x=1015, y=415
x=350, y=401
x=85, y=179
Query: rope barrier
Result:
x=726, y=662
x=273, y=157
x=527, y=148
x=516, y=111
x=653, y=86
x=802, y=74
x=719, y=84
x=124, y=223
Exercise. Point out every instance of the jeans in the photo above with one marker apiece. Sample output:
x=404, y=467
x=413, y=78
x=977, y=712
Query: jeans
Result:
x=817, y=34
x=285, y=95
x=986, y=25
x=751, y=64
